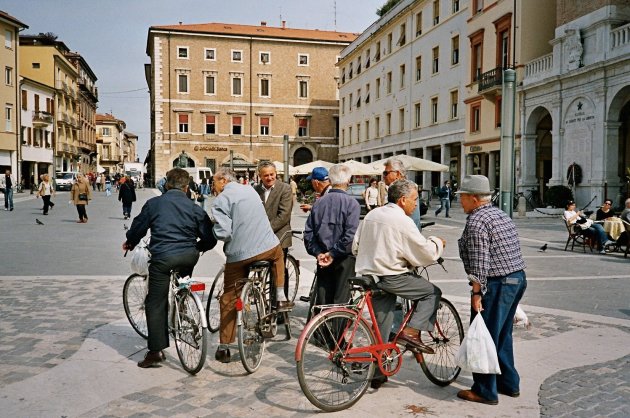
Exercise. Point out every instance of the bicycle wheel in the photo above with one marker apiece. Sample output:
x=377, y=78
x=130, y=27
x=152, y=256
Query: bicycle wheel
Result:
x=190, y=335
x=292, y=277
x=251, y=343
x=331, y=380
x=213, y=313
x=134, y=293
x=441, y=368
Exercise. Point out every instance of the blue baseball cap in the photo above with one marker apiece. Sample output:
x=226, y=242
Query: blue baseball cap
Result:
x=318, y=173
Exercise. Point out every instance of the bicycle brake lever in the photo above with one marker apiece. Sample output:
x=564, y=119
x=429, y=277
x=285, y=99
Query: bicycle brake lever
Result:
x=440, y=261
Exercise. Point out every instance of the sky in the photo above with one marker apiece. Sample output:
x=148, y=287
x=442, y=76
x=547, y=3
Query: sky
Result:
x=112, y=34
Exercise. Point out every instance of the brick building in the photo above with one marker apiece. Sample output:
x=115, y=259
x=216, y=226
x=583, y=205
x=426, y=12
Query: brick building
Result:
x=222, y=91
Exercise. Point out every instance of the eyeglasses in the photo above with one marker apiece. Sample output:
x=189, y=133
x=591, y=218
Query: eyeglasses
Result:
x=386, y=173
x=606, y=203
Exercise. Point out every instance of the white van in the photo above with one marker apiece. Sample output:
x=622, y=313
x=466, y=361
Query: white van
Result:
x=65, y=179
x=200, y=173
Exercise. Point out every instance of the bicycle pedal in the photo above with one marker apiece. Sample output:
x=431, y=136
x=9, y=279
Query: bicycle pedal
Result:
x=304, y=299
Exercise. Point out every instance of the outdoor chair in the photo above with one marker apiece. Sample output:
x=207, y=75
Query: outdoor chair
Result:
x=577, y=236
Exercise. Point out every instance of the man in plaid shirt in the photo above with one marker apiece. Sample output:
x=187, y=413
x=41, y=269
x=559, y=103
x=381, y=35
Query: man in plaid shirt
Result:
x=490, y=250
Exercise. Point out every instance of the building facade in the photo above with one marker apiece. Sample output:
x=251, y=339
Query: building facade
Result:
x=43, y=59
x=37, y=130
x=494, y=45
x=130, y=147
x=224, y=92
x=401, y=89
x=87, y=101
x=576, y=103
x=110, y=143
x=10, y=28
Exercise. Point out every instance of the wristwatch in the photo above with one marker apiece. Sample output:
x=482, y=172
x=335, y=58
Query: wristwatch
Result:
x=473, y=293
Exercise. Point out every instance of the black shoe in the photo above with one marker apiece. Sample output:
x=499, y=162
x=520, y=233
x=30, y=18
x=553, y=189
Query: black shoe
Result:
x=510, y=394
x=222, y=356
x=151, y=359
x=377, y=382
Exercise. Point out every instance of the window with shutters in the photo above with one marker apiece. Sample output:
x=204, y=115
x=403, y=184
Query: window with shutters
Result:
x=264, y=126
x=211, y=124
x=183, y=123
x=24, y=100
x=182, y=83
x=237, y=125
x=302, y=127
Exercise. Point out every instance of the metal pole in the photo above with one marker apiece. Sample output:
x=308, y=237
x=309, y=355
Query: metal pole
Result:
x=231, y=160
x=286, y=157
x=507, y=141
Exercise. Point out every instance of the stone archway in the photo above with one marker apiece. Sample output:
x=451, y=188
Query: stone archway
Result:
x=191, y=162
x=301, y=156
x=618, y=129
x=537, y=151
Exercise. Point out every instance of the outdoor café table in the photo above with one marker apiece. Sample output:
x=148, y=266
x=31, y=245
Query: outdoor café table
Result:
x=614, y=227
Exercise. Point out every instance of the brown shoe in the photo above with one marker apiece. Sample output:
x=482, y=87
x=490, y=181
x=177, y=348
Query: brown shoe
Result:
x=412, y=337
x=469, y=395
x=284, y=305
x=151, y=359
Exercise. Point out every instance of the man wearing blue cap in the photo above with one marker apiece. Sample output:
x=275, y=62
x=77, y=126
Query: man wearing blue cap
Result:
x=320, y=182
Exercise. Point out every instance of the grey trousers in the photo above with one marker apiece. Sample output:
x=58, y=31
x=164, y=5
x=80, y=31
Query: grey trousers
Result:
x=407, y=286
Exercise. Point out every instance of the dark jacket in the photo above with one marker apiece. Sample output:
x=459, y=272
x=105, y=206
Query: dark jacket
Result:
x=127, y=193
x=331, y=225
x=175, y=222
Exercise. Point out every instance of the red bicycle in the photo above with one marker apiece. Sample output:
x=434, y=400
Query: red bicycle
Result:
x=339, y=350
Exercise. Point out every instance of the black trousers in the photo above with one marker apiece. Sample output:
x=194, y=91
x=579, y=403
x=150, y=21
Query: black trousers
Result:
x=47, y=203
x=156, y=303
x=332, y=283
x=82, y=212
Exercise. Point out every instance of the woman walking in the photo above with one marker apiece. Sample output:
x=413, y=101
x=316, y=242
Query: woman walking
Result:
x=127, y=195
x=81, y=193
x=371, y=195
x=46, y=190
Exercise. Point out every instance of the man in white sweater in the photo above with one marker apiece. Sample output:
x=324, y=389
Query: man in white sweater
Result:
x=388, y=246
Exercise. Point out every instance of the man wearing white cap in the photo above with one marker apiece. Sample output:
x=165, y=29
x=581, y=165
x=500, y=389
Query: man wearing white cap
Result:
x=490, y=250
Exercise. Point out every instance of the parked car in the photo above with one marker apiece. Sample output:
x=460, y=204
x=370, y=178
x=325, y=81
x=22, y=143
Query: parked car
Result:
x=356, y=190
x=65, y=179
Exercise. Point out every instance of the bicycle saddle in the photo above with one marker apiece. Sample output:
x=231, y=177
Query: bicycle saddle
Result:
x=260, y=264
x=366, y=282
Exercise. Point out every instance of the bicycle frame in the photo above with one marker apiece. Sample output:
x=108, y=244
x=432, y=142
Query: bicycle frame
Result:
x=368, y=354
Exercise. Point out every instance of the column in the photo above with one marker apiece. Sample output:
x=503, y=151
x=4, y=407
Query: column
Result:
x=469, y=164
x=528, y=161
x=445, y=150
x=426, y=175
x=492, y=169
x=557, y=134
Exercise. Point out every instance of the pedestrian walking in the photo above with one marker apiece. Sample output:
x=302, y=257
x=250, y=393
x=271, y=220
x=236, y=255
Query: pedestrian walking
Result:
x=445, y=198
x=46, y=191
x=101, y=183
x=370, y=195
x=204, y=191
x=81, y=193
x=108, y=186
x=7, y=183
x=127, y=195
x=490, y=250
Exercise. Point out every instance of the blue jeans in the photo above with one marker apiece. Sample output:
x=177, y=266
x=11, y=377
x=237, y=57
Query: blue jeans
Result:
x=597, y=231
x=444, y=203
x=8, y=198
x=499, y=305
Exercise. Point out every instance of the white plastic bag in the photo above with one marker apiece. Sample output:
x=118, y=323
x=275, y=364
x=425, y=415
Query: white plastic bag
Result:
x=140, y=259
x=477, y=352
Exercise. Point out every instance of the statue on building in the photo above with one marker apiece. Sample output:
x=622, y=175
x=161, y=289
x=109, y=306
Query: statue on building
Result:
x=574, y=49
x=182, y=161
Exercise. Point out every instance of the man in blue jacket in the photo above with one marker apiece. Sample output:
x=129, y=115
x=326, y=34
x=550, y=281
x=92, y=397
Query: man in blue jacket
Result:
x=179, y=230
x=242, y=223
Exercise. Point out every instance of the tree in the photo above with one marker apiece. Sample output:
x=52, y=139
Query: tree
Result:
x=390, y=4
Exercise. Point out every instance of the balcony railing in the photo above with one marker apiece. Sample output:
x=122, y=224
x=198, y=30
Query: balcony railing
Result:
x=41, y=118
x=491, y=79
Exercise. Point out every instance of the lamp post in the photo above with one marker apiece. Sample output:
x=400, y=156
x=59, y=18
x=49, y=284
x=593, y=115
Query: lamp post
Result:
x=508, y=105
x=286, y=157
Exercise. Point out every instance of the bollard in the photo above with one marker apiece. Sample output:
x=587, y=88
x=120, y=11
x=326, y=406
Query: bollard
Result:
x=522, y=206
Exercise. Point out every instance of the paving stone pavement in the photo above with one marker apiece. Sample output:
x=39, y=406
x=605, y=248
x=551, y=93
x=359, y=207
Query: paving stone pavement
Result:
x=47, y=319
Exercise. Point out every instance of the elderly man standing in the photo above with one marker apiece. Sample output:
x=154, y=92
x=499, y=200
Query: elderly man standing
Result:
x=395, y=170
x=241, y=222
x=490, y=250
x=277, y=199
x=388, y=246
x=328, y=236
x=320, y=183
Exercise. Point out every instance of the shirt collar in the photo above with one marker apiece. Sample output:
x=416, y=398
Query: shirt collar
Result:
x=478, y=208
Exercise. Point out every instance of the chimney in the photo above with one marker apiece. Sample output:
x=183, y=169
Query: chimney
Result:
x=284, y=24
x=263, y=23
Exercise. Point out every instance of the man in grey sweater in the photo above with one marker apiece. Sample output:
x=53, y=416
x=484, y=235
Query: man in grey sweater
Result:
x=241, y=222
